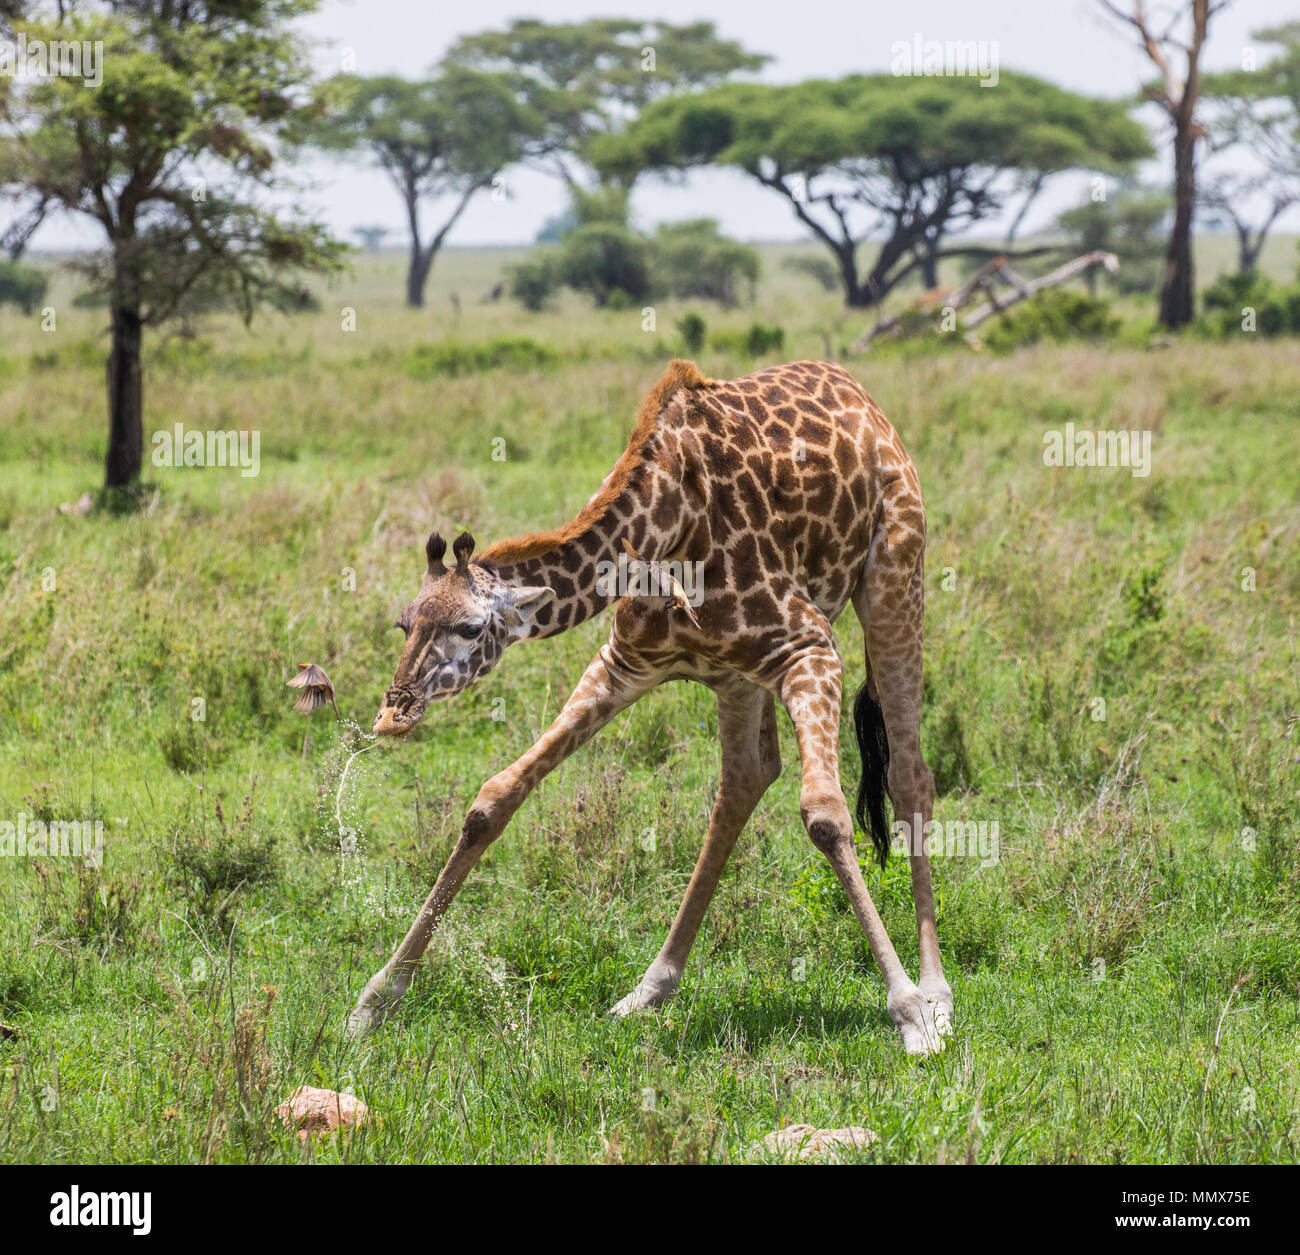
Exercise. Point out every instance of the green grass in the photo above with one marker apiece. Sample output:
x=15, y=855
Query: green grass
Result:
x=1148, y=860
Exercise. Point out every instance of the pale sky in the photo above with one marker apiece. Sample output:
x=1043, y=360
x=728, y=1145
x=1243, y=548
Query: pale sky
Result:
x=1070, y=42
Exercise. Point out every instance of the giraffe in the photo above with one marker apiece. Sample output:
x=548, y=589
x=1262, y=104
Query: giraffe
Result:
x=795, y=493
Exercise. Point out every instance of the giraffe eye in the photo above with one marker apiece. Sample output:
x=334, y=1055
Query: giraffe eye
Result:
x=469, y=630
x=406, y=627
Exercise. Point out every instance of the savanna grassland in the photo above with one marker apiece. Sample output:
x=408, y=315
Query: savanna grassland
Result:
x=1112, y=682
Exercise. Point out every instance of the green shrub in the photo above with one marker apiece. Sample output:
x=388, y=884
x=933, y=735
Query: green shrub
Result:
x=691, y=327
x=602, y=258
x=1276, y=310
x=692, y=260
x=22, y=286
x=1271, y=318
x=1233, y=292
x=758, y=339
x=456, y=357
x=820, y=269
x=19, y=983
x=1052, y=315
x=1290, y=300
x=189, y=747
x=81, y=904
x=534, y=280
x=214, y=864
x=599, y=253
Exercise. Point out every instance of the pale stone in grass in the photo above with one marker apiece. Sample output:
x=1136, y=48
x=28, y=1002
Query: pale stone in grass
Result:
x=313, y=1111
x=811, y=1143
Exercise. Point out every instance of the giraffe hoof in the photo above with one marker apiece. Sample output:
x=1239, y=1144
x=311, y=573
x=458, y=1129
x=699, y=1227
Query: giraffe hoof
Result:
x=939, y=996
x=376, y=1003
x=924, y=1028
x=637, y=1000
x=362, y=1020
x=656, y=988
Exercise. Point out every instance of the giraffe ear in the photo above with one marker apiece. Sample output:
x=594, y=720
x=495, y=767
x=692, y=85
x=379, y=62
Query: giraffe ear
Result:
x=518, y=605
x=463, y=548
x=434, y=548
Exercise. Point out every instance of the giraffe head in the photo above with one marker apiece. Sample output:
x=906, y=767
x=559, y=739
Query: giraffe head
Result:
x=456, y=629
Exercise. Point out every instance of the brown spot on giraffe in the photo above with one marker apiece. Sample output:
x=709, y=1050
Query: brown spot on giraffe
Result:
x=794, y=495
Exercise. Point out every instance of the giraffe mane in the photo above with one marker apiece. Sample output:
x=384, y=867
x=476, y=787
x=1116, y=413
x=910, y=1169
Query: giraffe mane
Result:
x=680, y=374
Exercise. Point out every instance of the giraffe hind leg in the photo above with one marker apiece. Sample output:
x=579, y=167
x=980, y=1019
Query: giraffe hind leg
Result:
x=810, y=690
x=890, y=602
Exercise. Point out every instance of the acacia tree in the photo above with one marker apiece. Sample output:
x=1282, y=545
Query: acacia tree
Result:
x=172, y=156
x=916, y=159
x=587, y=79
x=1257, y=111
x=444, y=138
x=1177, y=95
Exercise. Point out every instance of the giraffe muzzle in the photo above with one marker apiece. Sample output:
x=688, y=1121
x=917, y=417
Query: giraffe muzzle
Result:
x=398, y=714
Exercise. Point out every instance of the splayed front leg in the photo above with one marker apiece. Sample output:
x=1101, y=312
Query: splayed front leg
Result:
x=607, y=686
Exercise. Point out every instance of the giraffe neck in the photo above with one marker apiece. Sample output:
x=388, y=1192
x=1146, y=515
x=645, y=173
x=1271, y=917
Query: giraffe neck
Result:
x=572, y=560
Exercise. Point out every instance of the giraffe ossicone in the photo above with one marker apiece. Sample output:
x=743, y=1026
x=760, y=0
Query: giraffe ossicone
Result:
x=794, y=497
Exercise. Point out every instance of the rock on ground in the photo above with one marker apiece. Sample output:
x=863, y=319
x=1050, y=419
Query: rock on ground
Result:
x=312, y=1111
x=811, y=1143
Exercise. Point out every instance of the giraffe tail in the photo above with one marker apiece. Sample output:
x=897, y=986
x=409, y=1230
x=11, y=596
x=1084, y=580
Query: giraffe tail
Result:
x=873, y=745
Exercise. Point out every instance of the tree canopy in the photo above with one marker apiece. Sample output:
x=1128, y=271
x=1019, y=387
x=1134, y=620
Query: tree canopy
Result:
x=589, y=78
x=912, y=158
x=447, y=136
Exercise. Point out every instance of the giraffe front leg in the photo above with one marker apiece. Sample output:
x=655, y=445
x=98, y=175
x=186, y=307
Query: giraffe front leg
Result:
x=608, y=686
x=810, y=690
x=385, y=989
x=751, y=760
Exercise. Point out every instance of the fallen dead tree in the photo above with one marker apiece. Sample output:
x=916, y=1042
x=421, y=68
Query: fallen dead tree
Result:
x=985, y=282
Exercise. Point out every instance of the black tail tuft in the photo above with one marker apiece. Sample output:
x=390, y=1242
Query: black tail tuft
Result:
x=873, y=745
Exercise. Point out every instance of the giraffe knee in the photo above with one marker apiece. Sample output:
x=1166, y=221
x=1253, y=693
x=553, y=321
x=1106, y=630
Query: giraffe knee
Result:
x=479, y=828
x=827, y=821
x=485, y=820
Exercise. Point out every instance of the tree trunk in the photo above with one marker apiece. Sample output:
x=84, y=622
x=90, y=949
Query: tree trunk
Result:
x=930, y=264
x=417, y=274
x=1247, y=253
x=125, y=400
x=880, y=282
x=856, y=293
x=1177, y=296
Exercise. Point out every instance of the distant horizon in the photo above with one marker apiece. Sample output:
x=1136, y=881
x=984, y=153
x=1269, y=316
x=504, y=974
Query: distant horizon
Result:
x=401, y=249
